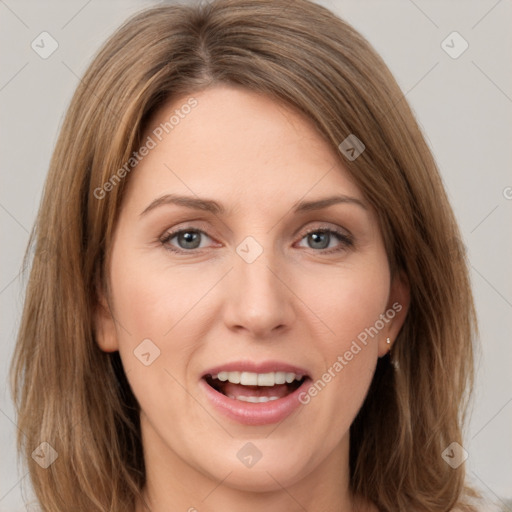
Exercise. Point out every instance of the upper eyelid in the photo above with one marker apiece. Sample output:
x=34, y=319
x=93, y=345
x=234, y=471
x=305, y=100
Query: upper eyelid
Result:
x=336, y=229
x=323, y=227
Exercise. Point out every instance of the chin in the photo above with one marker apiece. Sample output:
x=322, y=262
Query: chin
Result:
x=260, y=465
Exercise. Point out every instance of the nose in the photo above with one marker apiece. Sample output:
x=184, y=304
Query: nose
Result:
x=258, y=301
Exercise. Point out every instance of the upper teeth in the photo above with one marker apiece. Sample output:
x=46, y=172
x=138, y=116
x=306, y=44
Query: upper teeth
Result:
x=258, y=379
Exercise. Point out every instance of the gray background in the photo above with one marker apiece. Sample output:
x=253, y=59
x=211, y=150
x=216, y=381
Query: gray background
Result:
x=464, y=106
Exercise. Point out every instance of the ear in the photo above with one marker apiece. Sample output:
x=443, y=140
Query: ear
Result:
x=396, y=311
x=104, y=324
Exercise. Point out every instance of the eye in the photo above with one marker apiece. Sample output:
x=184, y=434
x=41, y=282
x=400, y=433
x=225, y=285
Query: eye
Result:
x=185, y=240
x=327, y=240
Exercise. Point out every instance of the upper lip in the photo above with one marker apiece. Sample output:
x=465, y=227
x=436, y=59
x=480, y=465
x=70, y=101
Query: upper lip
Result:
x=256, y=367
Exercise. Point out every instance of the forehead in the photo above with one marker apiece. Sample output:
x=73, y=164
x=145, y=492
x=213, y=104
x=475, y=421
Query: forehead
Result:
x=238, y=145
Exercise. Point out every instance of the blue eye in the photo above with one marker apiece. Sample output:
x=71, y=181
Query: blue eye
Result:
x=186, y=239
x=322, y=239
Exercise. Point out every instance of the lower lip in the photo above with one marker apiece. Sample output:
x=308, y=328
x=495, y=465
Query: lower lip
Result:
x=247, y=413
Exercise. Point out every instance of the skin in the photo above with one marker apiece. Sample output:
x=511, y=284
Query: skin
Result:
x=295, y=303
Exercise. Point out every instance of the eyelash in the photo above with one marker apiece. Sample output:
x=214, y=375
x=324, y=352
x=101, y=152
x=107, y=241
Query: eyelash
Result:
x=347, y=241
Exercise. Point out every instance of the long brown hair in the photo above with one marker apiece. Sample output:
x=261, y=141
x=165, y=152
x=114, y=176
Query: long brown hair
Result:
x=75, y=397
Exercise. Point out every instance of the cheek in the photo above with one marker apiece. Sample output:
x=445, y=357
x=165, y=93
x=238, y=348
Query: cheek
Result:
x=151, y=312
x=153, y=299
x=166, y=305
x=158, y=328
x=349, y=301
x=350, y=305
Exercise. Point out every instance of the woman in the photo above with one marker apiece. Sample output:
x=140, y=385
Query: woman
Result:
x=254, y=294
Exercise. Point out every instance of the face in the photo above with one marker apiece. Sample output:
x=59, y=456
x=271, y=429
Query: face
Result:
x=250, y=294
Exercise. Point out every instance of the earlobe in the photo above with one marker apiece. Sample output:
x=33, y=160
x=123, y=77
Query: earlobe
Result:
x=104, y=325
x=396, y=312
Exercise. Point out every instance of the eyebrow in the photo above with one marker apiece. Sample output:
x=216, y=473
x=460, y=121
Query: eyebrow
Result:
x=209, y=205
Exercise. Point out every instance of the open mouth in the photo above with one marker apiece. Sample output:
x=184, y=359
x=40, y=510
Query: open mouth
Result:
x=255, y=387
